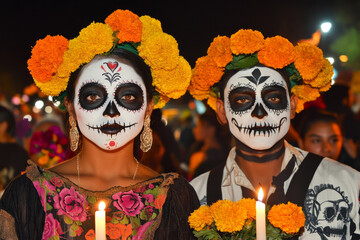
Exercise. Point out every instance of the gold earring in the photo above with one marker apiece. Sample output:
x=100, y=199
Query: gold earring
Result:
x=74, y=134
x=146, y=137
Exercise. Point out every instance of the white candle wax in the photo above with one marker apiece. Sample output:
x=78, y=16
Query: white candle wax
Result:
x=100, y=230
x=260, y=217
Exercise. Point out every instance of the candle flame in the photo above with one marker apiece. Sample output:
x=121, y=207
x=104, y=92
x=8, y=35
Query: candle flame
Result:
x=102, y=206
x=260, y=195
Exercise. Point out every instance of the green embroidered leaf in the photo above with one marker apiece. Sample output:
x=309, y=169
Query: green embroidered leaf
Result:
x=48, y=207
x=47, y=175
x=153, y=216
x=124, y=221
x=67, y=220
x=114, y=221
x=54, y=238
x=143, y=215
x=91, y=200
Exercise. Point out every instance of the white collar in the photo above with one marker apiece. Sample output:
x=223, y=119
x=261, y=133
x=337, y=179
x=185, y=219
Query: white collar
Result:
x=240, y=178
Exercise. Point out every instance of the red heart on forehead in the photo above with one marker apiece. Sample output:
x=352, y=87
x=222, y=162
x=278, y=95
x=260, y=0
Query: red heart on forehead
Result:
x=112, y=65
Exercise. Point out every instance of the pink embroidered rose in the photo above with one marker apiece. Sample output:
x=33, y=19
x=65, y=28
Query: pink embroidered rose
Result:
x=51, y=227
x=149, y=197
x=129, y=202
x=56, y=181
x=72, y=204
x=142, y=230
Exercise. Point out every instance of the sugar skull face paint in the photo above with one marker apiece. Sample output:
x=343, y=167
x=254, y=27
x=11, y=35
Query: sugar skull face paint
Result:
x=257, y=107
x=110, y=103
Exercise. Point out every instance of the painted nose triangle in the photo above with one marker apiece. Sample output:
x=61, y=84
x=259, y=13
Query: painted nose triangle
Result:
x=259, y=111
x=111, y=110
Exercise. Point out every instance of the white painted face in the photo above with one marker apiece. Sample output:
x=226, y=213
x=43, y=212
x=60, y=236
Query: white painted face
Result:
x=110, y=103
x=257, y=107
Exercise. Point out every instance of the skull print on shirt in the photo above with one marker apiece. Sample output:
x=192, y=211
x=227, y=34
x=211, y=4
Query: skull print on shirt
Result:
x=257, y=107
x=110, y=103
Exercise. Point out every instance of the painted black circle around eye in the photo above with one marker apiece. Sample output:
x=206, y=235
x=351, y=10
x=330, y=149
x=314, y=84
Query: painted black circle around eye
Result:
x=241, y=99
x=92, y=95
x=130, y=96
x=275, y=97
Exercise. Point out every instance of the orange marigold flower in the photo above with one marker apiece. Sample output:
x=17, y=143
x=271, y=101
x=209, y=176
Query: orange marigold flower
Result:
x=306, y=92
x=197, y=93
x=200, y=218
x=325, y=88
x=127, y=25
x=205, y=73
x=246, y=41
x=300, y=105
x=288, y=217
x=324, y=76
x=47, y=56
x=277, y=52
x=212, y=102
x=219, y=51
x=309, y=60
x=118, y=231
x=161, y=101
x=250, y=205
x=228, y=216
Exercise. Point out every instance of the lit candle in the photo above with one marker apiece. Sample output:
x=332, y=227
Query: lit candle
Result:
x=100, y=229
x=260, y=217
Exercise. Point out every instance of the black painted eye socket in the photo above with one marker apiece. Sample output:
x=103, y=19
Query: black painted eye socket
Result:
x=241, y=99
x=130, y=96
x=275, y=97
x=92, y=95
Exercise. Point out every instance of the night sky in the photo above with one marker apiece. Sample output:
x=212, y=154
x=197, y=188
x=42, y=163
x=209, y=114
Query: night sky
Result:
x=193, y=23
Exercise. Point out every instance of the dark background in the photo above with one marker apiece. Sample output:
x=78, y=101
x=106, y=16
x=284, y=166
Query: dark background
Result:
x=193, y=23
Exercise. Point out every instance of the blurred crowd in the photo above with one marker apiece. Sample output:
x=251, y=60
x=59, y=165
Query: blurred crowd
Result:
x=186, y=141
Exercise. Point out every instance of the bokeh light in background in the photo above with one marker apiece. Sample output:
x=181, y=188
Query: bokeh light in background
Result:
x=343, y=58
x=325, y=27
x=331, y=60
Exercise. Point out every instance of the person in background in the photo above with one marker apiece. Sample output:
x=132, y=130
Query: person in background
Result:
x=13, y=157
x=321, y=133
x=211, y=151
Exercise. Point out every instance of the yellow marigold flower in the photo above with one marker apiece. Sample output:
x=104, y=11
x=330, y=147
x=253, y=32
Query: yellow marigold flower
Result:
x=306, y=92
x=127, y=25
x=212, y=102
x=246, y=41
x=300, y=105
x=47, y=55
x=173, y=83
x=325, y=88
x=198, y=94
x=324, y=76
x=288, y=217
x=228, y=216
x=200, y=218
x=205, y=73
x=160, y=51
x=309, y=60
x=149, y=27
x=161, y=101
x=219, y=51
x=277, y=52
x=53, y=87
x=250, y=205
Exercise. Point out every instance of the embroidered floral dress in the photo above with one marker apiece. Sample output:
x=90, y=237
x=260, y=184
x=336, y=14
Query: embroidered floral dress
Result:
x=43, y=205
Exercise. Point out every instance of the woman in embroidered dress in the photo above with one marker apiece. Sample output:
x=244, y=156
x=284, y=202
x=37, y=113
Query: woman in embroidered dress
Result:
x=120, y=70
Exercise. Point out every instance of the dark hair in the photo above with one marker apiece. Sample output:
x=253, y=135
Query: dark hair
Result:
x=119, y=54
x=140, y=68
x=308, y=117
x=229, y=73
x=7, y=116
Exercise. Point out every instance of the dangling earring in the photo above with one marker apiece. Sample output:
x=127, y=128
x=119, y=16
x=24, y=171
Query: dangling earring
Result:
x=74, y=134
x=146, y=137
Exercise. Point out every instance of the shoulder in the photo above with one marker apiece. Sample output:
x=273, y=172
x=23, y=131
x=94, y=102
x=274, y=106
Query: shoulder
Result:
x=200, y=185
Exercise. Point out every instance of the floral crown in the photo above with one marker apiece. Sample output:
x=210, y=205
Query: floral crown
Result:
x=308, y=71
x=54, y=58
